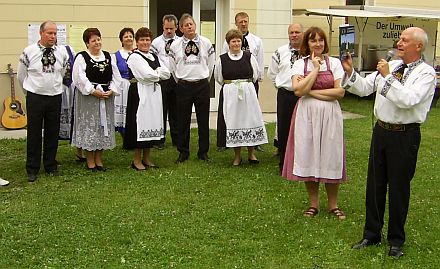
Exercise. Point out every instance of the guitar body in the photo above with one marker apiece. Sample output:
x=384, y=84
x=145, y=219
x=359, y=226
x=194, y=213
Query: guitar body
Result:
x=13, y=116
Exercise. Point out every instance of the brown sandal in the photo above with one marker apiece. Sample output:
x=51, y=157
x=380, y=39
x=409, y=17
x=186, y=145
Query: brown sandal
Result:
x=338, y=213
x=311, y=212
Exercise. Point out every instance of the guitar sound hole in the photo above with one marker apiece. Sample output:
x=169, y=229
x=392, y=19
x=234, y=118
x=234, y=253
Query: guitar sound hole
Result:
x=13, y=106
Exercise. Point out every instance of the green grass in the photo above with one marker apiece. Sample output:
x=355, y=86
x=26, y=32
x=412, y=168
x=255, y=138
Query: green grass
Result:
x=199, y=215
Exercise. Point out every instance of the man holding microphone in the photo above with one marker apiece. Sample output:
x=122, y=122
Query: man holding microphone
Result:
x=404, y=91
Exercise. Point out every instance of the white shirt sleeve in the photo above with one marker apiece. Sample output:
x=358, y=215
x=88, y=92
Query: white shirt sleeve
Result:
x=260, y=60
x=254, y=64
x=273, y=70
x=22, y=70
x=211, y=60
x=172, y=60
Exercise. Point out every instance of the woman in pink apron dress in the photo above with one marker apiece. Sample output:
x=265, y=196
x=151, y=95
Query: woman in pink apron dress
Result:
x=315, y=148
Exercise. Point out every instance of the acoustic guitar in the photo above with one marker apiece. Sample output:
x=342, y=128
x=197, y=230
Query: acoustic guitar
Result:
x=13, y=116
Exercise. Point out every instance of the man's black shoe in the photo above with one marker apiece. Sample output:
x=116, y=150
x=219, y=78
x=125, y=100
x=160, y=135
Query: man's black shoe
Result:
x=203, y=157
x=259, y=148
x=182, y=158
x=395, y=251
x=32, y=177
x=55, y=173
x=365, y=243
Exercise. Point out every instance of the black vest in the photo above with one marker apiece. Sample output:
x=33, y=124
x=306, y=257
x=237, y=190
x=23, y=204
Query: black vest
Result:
x=241, y=69
x=99, y=72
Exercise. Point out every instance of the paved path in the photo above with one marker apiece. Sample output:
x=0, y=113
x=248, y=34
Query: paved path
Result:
x=268, y=117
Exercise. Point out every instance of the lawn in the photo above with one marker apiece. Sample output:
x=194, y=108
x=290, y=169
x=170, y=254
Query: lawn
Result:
x=206, y=215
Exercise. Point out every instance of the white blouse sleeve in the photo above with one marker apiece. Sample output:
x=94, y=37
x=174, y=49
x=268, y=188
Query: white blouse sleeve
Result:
x=79, y=76
x=141, y=69
x=164, y=72
x=116, y=83
x=298, y=68
x=336, y=68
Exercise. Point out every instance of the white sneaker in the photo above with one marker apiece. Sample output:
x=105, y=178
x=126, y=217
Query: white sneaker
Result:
x=3, y=182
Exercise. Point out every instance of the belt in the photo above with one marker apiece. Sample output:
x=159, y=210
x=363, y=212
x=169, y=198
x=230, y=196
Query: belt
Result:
x=104, y=86
x=195, y=82
x=229, y=81
x=397, y=127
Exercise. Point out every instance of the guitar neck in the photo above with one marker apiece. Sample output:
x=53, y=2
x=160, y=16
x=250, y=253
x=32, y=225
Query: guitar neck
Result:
x=12, y=89
x=11, y=75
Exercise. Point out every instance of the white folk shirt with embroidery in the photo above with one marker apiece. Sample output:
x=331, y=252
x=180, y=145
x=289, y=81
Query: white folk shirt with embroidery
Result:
x=30, y=71
x=158, y=48
x=192, y=67
x=256, y=48
x=395, y=102
x=280, y=69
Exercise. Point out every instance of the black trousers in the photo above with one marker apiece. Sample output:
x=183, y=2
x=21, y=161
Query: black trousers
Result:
x=187, y=95
x=392, y=163
x=286, y=101
x=169, y=108
x=43, y=112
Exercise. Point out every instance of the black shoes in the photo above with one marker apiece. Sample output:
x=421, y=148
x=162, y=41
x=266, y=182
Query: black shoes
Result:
x=203, y=157
x=101, y=168
x=182, y=158
x=395, y=251
x=91, y=169
x=80, y=159
x=54, y=173
x=365, y=243
x=253, y=161
x=135, y=168
x=32, y=177
x=150, y=166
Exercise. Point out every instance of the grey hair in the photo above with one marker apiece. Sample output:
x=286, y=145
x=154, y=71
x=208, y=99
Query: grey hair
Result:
x=420, y=35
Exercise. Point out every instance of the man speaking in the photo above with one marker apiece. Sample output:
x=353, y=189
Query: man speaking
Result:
x=404, y=91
